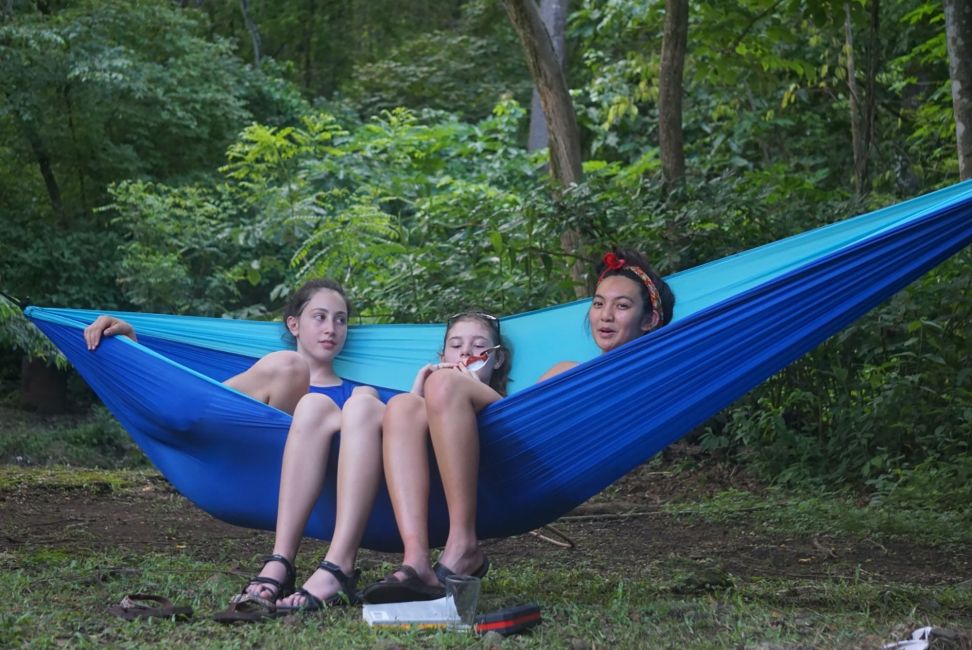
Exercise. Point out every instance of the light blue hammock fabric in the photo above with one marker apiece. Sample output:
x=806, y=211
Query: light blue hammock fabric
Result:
x=548, y=447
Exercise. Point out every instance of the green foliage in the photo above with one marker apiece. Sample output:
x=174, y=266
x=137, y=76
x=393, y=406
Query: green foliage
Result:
x=51, y=265
x=377, y=205
x=766, y=88
x=109, y=98
x=880, y=399
x=18, y=333
x=465, y=69
x=408, y=181
x=184, y=251
x=94, y=441
x=456, y=55
x=93, y=93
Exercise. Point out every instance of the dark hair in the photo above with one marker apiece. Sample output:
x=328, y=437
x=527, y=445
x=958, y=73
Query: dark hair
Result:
x=501, y=375
x=299, y=299
x=634, y=258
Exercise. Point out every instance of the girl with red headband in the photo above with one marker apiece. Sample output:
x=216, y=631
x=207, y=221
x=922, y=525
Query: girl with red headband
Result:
x=630, y=300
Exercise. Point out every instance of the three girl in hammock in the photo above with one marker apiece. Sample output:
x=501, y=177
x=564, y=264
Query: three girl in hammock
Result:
x=630, y=300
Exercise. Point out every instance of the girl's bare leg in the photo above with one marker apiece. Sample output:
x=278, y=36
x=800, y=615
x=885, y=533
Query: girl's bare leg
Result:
x=452, y=402
x=316, y=420
x=279, y=379
x=358, y=475
x=406, y=439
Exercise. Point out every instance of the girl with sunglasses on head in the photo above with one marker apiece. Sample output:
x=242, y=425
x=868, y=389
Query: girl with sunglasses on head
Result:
x=446, y=397
x=302, y=382
x=630, y=300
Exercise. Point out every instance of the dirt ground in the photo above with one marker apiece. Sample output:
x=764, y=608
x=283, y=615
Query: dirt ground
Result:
x=620, y=532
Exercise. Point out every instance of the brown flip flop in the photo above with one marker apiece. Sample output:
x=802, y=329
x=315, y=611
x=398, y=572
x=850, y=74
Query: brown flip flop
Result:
x=136, y=606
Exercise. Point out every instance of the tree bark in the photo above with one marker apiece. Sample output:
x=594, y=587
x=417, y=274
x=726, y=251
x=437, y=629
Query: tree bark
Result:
x=46, y=168
x=873, y=64
x=558, y=110
x=553, y=13
x=43, y=387
x=308, y=44
x=857, y=130
x=548, y=78
x=674, y=43
x=254, y=31
x=958, y=33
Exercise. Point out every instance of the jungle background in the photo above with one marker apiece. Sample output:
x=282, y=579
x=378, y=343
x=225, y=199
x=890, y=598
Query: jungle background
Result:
x=204, y=156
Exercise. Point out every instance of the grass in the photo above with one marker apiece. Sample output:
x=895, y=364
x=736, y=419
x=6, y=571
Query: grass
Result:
x=61, y=602
x=66, y=477
x=783, y=512
x=57, y=597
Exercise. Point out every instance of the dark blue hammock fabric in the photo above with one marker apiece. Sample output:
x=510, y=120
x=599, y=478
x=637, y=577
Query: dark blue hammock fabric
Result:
x=549, y=447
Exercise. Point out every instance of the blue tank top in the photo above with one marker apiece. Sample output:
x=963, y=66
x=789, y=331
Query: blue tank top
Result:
x=342, y=392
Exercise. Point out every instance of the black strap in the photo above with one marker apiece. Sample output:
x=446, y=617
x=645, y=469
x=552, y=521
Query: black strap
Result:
x=347, y=582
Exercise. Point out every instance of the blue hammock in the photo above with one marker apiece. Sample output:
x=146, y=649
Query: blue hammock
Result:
x=546, y=448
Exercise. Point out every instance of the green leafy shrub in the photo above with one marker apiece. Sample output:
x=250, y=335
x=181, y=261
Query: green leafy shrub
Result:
x=884, y=397
x=96, y=440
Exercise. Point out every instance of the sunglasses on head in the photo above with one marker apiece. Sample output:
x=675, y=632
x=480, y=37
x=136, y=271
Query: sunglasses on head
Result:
x=481, y=315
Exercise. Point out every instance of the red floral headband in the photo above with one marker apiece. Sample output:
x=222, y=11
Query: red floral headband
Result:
x=613, y=263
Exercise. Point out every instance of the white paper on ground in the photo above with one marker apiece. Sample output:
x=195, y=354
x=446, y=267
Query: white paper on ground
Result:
x=441, y=610
x=918, y=641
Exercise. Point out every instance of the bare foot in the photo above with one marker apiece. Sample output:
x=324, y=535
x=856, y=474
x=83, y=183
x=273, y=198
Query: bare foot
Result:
x=322, y=584
x=463, y=563
x=423, y=570
x=273, y=570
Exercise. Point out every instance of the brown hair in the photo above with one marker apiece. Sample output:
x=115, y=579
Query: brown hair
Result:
x=500, y=377
x=299, y=299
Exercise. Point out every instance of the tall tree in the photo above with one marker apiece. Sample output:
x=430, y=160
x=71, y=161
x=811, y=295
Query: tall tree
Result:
x=670, y=92
x=554, y=16
x=558, y=109
x=958, y=32
x=548, y=78
x=254, y=31
x=862, y=105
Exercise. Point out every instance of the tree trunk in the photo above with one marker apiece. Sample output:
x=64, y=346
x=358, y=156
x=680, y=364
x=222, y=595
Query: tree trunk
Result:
x=553, y=13
x=562, y=131
x=958, y=33
x=254, y=31
x=308, y=44
x=43, y=388
x=674, y=44
x=79, y=163
x=857, y=130
x=873, y=63
x=46, y=169
x=548, y=78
